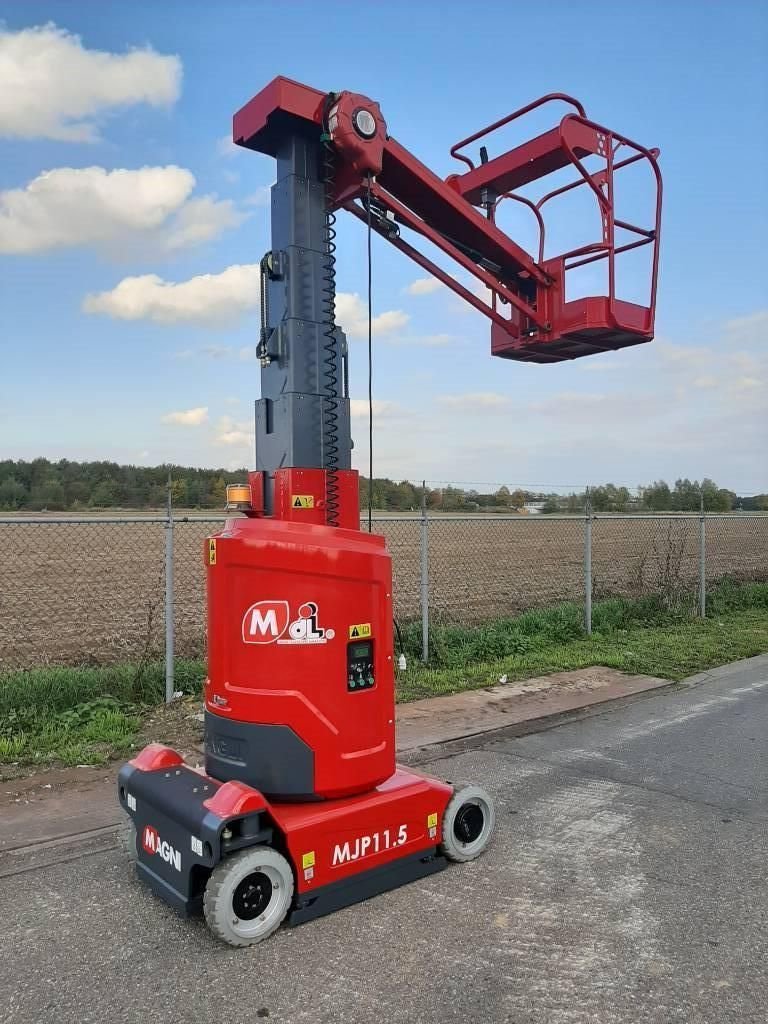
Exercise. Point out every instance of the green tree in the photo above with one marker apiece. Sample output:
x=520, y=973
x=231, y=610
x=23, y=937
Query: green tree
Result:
x=48, y=493
x=104, y=494
x=657, y=497
x=716, y=499
x=219, y=492
x=13, y=493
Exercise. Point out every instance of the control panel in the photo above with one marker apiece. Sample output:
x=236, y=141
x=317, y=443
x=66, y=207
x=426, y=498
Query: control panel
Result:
x=360, y=666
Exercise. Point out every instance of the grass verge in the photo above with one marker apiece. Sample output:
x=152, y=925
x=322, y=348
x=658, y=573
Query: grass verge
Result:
x=671, y=652
x=74, y=716
x=77, y=716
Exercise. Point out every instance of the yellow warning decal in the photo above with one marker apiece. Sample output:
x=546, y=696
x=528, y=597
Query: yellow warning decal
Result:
x=360, y=630
x=302, y=501
x=432, y=821
x=211, y=552
x=308, y=860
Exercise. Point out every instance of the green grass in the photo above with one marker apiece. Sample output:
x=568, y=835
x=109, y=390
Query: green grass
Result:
x=671, y=652
x=642, y=636
x=77, y=716
x=88, y=715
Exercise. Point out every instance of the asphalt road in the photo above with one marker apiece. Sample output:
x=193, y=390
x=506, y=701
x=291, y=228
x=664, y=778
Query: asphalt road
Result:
x=628, y=883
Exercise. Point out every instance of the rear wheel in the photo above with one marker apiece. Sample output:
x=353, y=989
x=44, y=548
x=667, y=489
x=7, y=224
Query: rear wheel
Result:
x=128, y=839
x=467, y=824
x=248, y=896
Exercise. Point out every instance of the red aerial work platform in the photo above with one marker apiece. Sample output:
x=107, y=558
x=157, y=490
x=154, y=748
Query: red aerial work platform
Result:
x=301, y=808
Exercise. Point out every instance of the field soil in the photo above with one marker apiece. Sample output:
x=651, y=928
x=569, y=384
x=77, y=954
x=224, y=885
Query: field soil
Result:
x=93, y=593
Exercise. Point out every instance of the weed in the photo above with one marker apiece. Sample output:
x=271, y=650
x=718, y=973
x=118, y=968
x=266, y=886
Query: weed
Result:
x=12, y=747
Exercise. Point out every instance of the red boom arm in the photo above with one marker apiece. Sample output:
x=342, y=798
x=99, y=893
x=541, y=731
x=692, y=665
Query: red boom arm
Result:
x=538, y=324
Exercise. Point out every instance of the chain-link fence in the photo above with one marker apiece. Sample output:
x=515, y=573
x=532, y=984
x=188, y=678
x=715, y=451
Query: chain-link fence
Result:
x=95, y=591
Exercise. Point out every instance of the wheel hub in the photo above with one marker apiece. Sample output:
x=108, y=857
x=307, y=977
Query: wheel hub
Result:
x=251, y=897
x=469, y=823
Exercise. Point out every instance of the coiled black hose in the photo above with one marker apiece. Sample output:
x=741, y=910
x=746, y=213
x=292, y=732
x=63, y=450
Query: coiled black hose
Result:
x=330, y=372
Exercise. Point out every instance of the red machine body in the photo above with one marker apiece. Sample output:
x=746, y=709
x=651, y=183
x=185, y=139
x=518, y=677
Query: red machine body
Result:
x=333, y=841
x=289, y=606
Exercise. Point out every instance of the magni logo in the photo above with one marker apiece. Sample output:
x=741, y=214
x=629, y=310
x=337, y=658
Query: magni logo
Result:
x=266, y=622
x=152, y=843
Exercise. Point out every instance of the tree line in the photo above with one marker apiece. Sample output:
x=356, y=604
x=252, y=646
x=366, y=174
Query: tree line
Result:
x=71, y=486
x=682, y=496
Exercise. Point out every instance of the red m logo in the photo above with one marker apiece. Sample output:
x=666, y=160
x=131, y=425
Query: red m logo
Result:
x=265, y=622
x=150, y=840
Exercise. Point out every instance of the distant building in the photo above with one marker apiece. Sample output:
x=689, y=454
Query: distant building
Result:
x=533, y=508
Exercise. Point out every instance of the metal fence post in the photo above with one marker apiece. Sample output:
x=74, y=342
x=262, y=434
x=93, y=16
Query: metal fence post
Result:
x=169, y=624
x=702, y=561
x=424, y=575
x=587, y=564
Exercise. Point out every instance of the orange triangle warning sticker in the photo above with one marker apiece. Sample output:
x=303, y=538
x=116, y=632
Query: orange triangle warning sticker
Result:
x=355, y=632
x=297, y=502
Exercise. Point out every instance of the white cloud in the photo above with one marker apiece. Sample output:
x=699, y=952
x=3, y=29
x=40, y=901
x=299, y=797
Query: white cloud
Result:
x=207, y=300
x=111, y=210
x=214, y=299
x=681, y=357
x=563, y=428
x=239, y=438
x=424, y=340
x=188, y=417
x=225, y=146
x=458, y=305
x=482, y=291
x=424, y=286
x=742, y=384
x=52, y=87
x=596, y=408
x=474, y=400
x=358, y=407
x=246, y=354
x=752, y=327
x=234, y=434
x=352, y=315
x=200, y=220
x=217, y=351
x=260, y=197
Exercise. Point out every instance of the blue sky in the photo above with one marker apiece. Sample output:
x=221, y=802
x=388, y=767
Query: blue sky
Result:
x=104, y=358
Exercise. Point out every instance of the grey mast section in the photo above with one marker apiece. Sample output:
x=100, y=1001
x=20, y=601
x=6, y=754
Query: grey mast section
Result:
x=292, y=415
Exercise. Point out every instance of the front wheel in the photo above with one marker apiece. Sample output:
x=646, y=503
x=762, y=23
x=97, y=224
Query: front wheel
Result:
x=248, y=896
x=467, y=824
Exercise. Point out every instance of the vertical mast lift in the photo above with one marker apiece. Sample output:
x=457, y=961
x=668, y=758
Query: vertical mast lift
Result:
x=301, y=808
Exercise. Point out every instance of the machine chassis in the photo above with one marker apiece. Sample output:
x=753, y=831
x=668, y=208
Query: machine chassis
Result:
x=185, y=824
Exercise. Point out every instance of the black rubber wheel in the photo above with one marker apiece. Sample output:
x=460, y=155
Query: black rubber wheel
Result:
x=467, y=824
x=248, y=896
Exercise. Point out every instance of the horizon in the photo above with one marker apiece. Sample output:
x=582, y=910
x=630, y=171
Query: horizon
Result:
x=467, y=486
